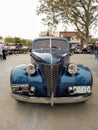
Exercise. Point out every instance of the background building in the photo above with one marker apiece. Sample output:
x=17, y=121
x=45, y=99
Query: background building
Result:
x=73, y=37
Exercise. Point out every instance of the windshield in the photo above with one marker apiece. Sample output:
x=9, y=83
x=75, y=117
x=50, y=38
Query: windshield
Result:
x=50, y=44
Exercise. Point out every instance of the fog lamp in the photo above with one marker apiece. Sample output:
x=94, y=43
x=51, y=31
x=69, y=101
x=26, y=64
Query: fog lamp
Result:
x=32, y=90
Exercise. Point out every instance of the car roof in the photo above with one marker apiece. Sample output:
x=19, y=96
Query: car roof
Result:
x=50, y=37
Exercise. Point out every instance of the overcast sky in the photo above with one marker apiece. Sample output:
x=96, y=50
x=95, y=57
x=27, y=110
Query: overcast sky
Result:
x=18, y=18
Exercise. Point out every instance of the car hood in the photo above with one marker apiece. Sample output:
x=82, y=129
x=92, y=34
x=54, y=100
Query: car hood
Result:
x=48, y=58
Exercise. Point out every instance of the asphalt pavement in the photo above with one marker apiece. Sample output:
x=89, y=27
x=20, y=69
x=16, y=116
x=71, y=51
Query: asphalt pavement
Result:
x=28, y=116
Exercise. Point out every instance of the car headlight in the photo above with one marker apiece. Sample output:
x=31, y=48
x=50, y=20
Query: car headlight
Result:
x=30, y=69
x=72, y=68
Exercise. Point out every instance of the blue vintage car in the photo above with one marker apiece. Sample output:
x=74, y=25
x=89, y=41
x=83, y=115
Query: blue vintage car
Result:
x=50, y=77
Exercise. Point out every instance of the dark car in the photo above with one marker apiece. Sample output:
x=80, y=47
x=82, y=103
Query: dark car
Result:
x=89, y=49
x=50, y=77
x=78, y=50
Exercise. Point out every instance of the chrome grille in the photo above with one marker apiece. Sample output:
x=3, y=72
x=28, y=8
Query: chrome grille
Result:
x=51, y=75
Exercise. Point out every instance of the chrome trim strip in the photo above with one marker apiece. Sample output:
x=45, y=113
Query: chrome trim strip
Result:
x=48, y=100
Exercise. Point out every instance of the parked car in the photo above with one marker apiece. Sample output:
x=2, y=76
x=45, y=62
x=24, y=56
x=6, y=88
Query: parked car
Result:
x=78, y=50
x=73, y=47
x=10, y=48
x=50, y=77
x=89, y=49
x=21, y=48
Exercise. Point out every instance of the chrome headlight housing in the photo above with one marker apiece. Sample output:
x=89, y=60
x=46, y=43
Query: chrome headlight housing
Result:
x=30, y=69
x=72, y=69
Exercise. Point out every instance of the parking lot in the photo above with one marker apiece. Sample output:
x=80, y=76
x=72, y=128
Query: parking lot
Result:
x=28, y=116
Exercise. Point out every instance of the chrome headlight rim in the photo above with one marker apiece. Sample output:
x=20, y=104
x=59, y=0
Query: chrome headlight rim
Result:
x=30, y=69
x=72, y=68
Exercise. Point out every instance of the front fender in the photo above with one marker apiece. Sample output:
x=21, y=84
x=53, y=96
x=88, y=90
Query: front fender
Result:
x=82, y=78
x=19, y=76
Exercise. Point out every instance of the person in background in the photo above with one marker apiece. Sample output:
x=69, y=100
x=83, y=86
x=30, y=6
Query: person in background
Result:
x=84, y=49
x=96, y=52
x=3, y=51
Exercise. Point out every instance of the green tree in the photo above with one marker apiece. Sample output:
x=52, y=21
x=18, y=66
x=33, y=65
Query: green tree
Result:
x=29, y=42
x=83, y=14
x=9, y=40
x=17, y=40
x=23, y=41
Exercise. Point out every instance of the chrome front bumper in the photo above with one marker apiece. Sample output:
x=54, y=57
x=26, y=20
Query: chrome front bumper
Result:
x=50, y=100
